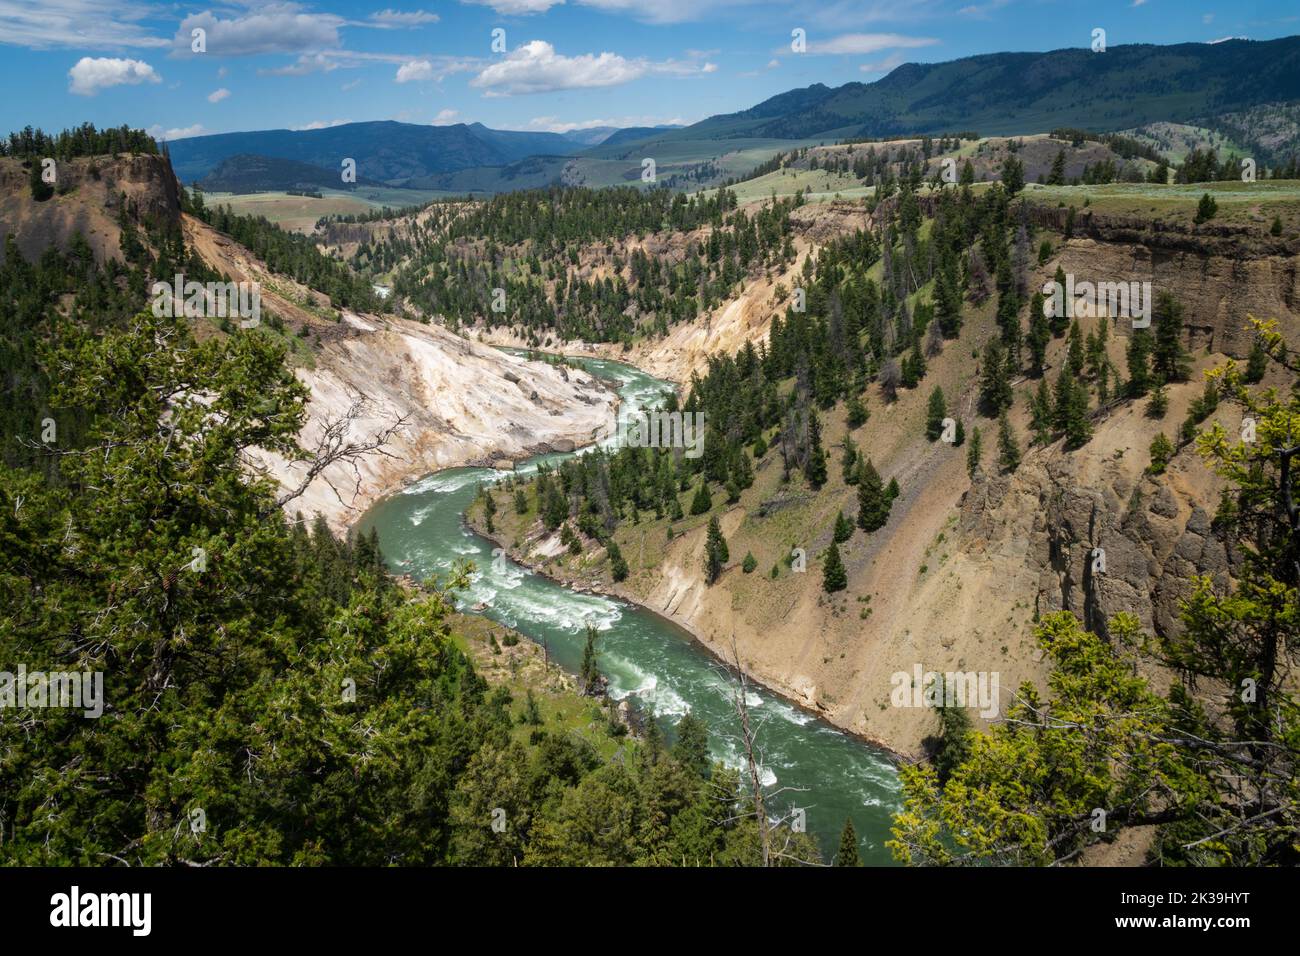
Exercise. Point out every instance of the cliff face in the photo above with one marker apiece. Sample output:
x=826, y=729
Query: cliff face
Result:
x=955, y=579
x=89, y=191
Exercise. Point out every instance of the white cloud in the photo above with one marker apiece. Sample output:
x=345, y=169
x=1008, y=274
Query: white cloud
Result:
x=90, y=75
x=515, y=8
x=859, y=43
x=446, y=118
x=435, y=68
x=216, y=96
x=157, y=132
x=352, y=85
x=221, y=72
x=535, y=67
x=305, y=64
x=276, y=28
x=393, y=19
x=321, y=124
x=76, y=23
x=773, y=63
x=709, y=68
x=1138, y=3
x=414, y=70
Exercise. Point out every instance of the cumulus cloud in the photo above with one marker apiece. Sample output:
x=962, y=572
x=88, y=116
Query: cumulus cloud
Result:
x=432, y=68
x=414, y=71
x=276, y=28
x=91, y=74
x=446, y=118
x=157, y=132
x=216, y=96
x=535, y=67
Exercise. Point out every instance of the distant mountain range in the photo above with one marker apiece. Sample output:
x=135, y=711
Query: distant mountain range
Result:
x=999, y=93
x=385, y=151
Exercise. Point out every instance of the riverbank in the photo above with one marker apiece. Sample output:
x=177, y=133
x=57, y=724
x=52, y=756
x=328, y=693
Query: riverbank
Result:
x=475, y=520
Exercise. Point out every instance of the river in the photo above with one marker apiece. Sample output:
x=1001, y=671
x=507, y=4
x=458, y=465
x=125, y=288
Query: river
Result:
x=644, y=656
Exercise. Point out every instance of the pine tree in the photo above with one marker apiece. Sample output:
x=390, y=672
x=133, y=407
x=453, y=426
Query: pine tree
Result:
x=1040, y=334
x=1008, y=447
x=1075, y=354
x=815, y=469
x=995, y=385
x=1139, y=358
x=873, y=509
x=1206, y=209
x=589, y=671
x=1169, y=360
x=1256, y=364
x=936, y=411
x=834, y=577
x=715, y=551
x=843, y=528
x=617, y=565
x=974, y=453
x=848, y=852
x=1162, y=450
x=702, y=501
x=856, y=411
x=1057, y=176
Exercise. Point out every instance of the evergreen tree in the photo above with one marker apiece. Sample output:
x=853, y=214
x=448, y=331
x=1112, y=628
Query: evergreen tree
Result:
x=589, y=669
x=1162, y=450
x=848, y=852
x=995, y=382
x=1139, y=358
x=936, y=411
x=843, y=528
x=715, y=551
x=702, y=501
x=1008, y=447
x=834, y=577
x=1169, y=360
x=815, y=469
x=856, y=411
x=873, y=508
x=974, y=453
x=1057, y=176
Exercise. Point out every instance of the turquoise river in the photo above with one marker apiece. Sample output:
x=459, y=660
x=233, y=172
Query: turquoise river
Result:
x=828, y=774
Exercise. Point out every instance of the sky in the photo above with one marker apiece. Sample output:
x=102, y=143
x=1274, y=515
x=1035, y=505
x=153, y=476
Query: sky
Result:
x=555, y=65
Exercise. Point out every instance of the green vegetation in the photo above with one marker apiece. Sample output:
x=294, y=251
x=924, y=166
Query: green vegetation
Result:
x=1103, y=751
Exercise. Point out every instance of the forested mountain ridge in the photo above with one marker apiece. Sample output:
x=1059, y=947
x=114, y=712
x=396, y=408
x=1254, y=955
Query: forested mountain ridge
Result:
x=1127, y=85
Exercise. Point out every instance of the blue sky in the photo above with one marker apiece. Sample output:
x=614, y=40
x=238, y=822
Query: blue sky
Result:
x=566, y=64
